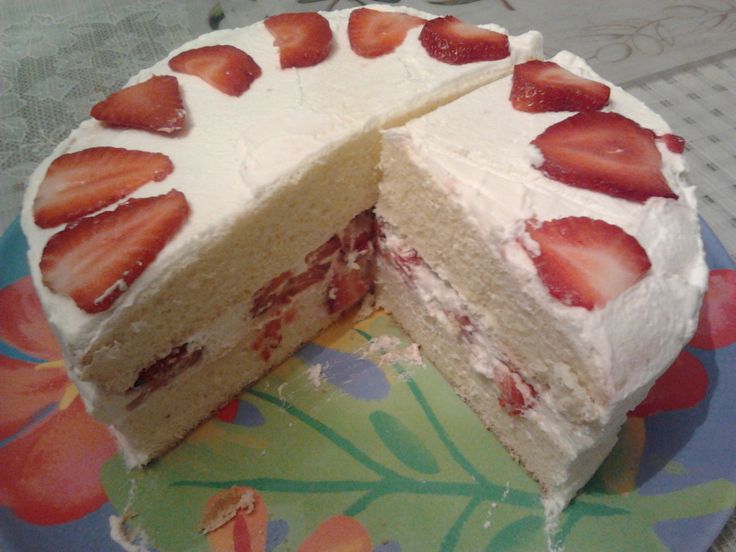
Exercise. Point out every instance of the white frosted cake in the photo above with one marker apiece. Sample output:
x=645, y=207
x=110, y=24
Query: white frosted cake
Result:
x=216, y=213
x=473, y=269
x=257, y=251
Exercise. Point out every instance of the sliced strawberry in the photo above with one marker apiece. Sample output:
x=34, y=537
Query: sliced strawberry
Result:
x=83, y=182
x=347, y=287
x=303, y=39
x=268, y=295
x=586, y=262
x=95, y=259
x=674, y=143
x=323, y=252
x=225, y=67
x=374, y=33
x=154, y=105
x=539, y=86
x=268, y=339
x=452, y=41
x=604, y=152
x=354, y=269
x=358, y=234
x=515, y=395
x=313, y=275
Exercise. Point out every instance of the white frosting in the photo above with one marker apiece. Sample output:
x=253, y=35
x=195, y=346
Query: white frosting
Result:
x=237, y=150
x=478, y=149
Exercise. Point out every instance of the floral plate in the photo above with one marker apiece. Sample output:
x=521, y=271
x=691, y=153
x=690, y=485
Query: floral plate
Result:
x=355, y=444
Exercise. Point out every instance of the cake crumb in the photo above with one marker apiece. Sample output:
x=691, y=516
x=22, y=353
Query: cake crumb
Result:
x=390, y=351
x=130, y=540
x=280, y=391
x=224, y=506
x=494, y=505
x=314, y=373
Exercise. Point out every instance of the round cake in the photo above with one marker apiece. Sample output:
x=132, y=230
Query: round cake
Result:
x=217, y=212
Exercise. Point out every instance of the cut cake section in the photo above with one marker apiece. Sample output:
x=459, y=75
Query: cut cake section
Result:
x=553, y=381
x=269, y=175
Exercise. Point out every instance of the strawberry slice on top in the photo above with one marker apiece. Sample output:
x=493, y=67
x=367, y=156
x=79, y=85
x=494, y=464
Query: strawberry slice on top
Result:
x=80, y=183
x=450, y=40
x=374, y=33
x=95, y=259
x=303, y=39
x=539, y=86
x=225, y=67
x=585, y=262
x=604, y=152
x=154, y=105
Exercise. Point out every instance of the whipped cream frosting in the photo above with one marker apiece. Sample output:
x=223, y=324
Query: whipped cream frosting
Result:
x=478, y=149
x=237, y=150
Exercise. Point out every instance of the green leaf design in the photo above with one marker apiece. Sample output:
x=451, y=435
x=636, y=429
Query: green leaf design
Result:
x=520, y=536
x=403, y=443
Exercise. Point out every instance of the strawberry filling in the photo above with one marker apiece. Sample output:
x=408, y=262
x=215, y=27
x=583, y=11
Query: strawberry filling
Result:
x=162, y=372
x=344, y=265
x=516, y=395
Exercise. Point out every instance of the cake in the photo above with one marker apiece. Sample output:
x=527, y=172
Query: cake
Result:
x=217, y=212
x=550, y=360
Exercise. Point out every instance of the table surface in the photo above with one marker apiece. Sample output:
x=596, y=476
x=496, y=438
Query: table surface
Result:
x=59, y=57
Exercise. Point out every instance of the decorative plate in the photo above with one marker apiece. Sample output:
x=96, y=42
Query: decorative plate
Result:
x=354, y=444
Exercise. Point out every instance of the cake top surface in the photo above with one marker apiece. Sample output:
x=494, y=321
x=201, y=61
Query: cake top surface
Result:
x=480, y=149
x=235, y=151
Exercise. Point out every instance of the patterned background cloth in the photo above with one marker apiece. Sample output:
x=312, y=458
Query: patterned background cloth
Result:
x=59, y=57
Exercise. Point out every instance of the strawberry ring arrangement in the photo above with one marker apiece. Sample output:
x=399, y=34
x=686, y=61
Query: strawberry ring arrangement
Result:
x=533, y=229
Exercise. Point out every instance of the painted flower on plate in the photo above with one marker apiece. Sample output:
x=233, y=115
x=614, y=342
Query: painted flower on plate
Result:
x=247, y=527
x=51, y=450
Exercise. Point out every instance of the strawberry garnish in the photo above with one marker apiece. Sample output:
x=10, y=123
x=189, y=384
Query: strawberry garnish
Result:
x=153, y=105
x=225, y=67
x=95, y=259
x=373, y=33
x=452, y=41
x=604, y=152
x=585, y=262
x=83, y=182
x=324, y=252
x=303, y=39
x=674, y=143
x=539, y=86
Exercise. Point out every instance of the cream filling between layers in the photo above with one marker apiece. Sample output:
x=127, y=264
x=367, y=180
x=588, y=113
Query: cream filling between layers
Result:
x=238, y=151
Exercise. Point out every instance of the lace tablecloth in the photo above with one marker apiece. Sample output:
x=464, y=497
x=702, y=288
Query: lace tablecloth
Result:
x=58, y=57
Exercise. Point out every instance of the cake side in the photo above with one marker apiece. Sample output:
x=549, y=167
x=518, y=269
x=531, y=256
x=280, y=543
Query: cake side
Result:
x=437, y=160
x=463, y=209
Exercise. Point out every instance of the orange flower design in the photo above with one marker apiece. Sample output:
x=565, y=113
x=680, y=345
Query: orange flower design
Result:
x=247, y=529
x=51, y=450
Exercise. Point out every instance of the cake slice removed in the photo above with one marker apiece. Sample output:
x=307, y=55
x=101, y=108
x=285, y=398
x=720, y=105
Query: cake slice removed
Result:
x=548, y=262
